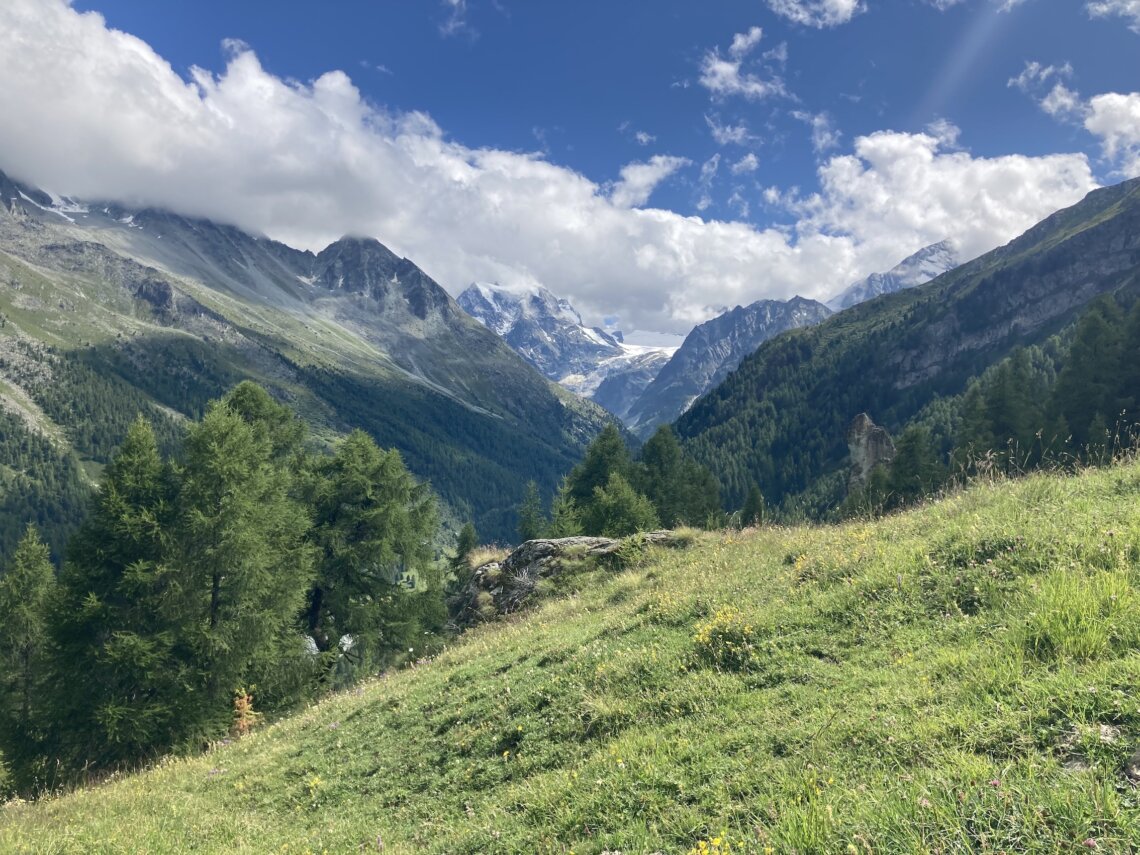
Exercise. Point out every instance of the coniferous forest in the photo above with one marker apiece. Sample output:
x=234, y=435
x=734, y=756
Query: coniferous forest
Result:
x=242, y=565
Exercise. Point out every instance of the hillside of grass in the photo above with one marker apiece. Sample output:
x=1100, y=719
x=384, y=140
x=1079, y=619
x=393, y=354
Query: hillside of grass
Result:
x=959, y=678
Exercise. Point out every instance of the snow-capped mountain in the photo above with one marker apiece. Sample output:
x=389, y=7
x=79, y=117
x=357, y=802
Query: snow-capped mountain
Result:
x=549, y=333
x=543, y=329
x=916, y=269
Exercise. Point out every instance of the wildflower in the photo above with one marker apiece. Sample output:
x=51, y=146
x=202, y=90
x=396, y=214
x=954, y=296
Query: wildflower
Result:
x=1090, y=843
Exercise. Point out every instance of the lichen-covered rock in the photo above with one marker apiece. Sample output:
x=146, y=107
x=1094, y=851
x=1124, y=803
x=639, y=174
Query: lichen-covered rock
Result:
x=502, y=587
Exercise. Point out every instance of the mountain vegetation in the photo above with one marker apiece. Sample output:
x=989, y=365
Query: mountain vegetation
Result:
x=959, y=677
x=107, y=313
x=245, y=562
x=911, y=359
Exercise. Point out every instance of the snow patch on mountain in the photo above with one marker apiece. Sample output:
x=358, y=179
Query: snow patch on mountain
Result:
x=926, y=264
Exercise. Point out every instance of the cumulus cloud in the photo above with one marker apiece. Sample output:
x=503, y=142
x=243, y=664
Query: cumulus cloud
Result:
x=724, y=76
x=1112, y=117
x=639, y=180
x=1115, y=119
x=96, y=113
x=907, y=184
x=823, y=136
x=817, y=13
x=1127, y=9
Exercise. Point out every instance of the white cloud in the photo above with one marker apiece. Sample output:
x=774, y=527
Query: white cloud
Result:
x=946, y=132
x=95, y=113
x=639, y=180
x=644, y=138
x=1112, y=117
x=725, y=76
x=709, y=170
x=456, y=21
x=727, y=134
x=1115, y=119
x=742, y=43
x=823, y=136
x=1062, y=102
x=1035, y=75
x=905, y=184
x=1127, y=9
x=749, y=163
x=817, y=13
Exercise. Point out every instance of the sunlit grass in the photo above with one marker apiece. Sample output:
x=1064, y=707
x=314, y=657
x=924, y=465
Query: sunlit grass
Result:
x=960, y=678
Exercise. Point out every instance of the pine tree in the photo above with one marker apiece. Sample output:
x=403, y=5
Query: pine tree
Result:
x=618, y=510
x=373, y=524
x=466, y=543
x=25, y=590
x=753, y=511
x=532, y=520
x=1085, y=387
x=606, y=455
x=565, y=515
x=241, y=554
x=116, y=621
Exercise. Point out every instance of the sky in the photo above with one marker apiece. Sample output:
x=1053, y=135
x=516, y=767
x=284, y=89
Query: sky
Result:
x=654, y=162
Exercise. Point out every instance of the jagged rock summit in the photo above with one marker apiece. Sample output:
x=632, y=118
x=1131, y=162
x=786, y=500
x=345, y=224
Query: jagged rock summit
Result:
x=711, y=351
x=918, y=269
x=548, y=332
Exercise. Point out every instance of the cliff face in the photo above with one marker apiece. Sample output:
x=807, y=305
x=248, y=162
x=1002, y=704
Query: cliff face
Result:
x=711, y=351
x=869, y=446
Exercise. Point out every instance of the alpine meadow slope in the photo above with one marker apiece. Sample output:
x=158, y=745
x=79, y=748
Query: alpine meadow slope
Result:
x=779, y=420
x=959, y=677
x=148, y=311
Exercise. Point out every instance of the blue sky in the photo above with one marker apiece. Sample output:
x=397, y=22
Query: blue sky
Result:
x=659, y=161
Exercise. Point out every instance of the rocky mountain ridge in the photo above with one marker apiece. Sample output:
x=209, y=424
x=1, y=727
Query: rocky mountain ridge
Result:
x=711, y=351
x=178, y=309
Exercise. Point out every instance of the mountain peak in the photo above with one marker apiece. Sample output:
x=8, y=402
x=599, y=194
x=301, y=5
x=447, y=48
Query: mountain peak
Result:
x=917, y=269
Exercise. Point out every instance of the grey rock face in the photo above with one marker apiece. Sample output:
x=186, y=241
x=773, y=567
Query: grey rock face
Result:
x=917, y=269
x=869, y=445
x=543, y=329
x=711, y=351
x=548, y=332
x=500, y=588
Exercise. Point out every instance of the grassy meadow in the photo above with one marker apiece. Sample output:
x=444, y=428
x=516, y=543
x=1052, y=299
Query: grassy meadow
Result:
x=964, y=677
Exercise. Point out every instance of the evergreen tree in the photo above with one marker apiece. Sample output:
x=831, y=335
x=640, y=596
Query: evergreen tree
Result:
x=915, y=471
x=373, y=524
x=607, y=455
x=1085, y=389
x=25, y=590
x=117, y=620
x=241, y=555
x=565, y=515
x=618, y=510
x=466, y=543
x=532, y=520
x=753, y=511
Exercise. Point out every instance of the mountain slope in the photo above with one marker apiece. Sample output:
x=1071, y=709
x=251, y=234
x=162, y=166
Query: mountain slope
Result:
x=174, y=310
x=711, y=351
x=779, y=421
x=548, y=333
x=916, y=269
x=955, y=679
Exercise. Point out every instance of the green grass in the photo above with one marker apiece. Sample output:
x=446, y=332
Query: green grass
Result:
x=960, y=678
